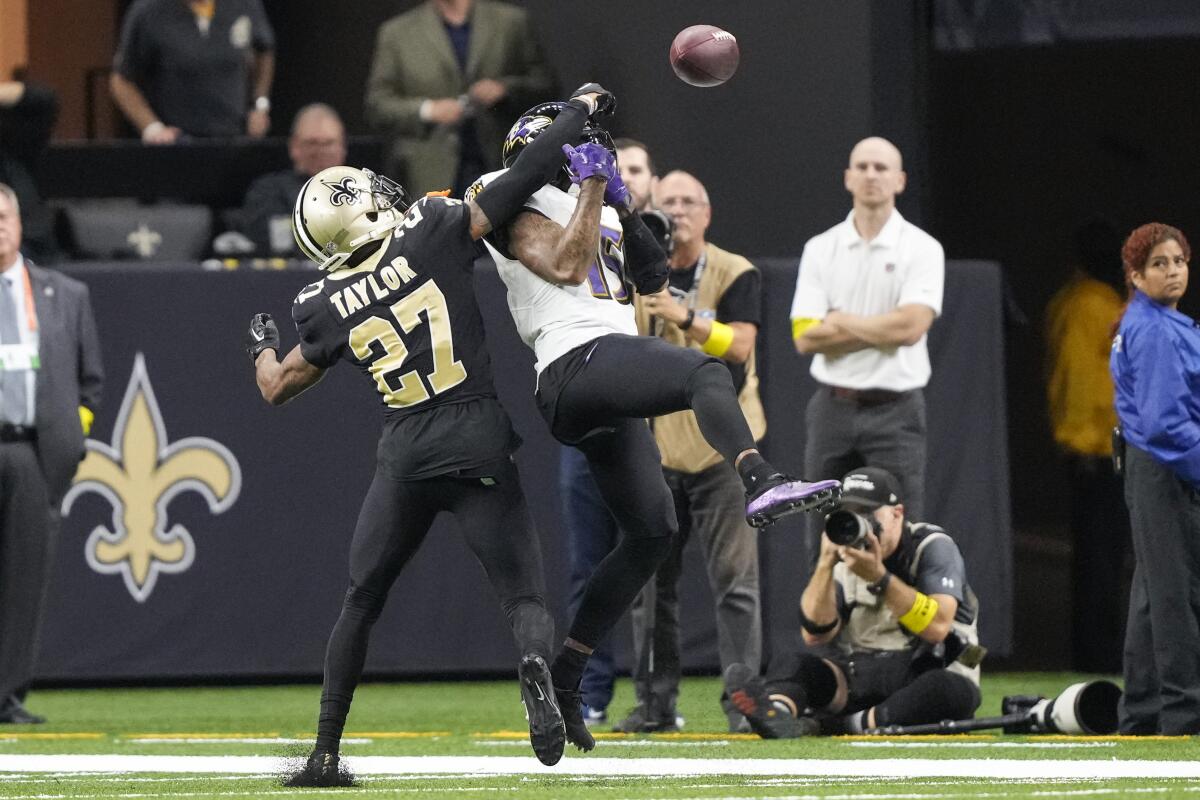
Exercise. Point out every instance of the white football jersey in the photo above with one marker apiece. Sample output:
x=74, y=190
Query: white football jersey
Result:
x=554, y=319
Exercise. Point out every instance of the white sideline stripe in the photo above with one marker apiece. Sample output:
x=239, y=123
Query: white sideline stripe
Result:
x=510, y=765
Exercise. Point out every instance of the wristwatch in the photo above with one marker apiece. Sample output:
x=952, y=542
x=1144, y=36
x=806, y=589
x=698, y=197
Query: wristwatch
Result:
x=880, y=586
x=262, y=103
x=687, y=323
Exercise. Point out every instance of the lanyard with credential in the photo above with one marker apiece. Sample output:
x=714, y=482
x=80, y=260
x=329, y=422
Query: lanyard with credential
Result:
x=689, y=299
x=31, y=319
x=694, y=292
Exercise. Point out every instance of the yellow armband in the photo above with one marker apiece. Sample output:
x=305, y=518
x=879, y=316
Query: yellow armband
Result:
x=86, y=418
x=719, y=339
x=923, y=611
x=801, y=326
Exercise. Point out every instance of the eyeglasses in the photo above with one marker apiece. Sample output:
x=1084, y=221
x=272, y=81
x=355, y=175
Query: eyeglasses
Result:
x=319, y=144
x=686, y=203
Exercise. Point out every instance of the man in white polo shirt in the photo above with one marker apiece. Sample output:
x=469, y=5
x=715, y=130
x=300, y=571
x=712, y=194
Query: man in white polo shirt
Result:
x=867, y=292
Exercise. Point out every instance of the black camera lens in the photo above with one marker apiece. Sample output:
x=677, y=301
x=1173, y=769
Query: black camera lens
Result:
x=847, y=528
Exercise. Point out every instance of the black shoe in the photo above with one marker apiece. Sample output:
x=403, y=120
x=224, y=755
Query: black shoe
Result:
x=767, y=719
x=642, y=720
x=13, y=713
x=321, y=769
x=547, y=733
x=571, y=706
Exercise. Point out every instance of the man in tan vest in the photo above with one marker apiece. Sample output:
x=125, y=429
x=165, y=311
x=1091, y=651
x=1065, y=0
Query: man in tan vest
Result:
x=715, y=306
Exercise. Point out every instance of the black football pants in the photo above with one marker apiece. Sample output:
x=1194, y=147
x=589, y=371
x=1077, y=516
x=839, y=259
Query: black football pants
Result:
x=597, y=397
x=395, y=517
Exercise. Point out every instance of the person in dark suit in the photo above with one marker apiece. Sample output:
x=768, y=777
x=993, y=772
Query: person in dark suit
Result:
x=447, y=79
x=50, y=383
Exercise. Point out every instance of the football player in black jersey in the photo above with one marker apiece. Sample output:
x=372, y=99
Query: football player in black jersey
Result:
x=398, y=303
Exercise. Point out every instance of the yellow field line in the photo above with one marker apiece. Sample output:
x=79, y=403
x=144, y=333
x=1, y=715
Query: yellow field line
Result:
x=15, y=735
x=398, y=734
x=931, y=737
x=156, y=735
x=678, y=737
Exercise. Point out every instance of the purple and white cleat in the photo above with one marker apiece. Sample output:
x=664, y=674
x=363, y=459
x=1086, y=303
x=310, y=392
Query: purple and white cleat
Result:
x=789, y=496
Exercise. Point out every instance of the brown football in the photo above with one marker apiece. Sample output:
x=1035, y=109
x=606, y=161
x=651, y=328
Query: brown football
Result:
x=704, y=55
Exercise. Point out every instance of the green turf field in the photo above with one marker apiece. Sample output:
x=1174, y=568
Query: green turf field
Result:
x=468, y=740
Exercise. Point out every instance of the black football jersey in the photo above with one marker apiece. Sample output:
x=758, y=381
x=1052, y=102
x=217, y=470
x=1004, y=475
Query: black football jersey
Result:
x=410, y=323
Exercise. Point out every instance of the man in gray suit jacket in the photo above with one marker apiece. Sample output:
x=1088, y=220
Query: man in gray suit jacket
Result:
x=447, y=80
x=50, y=381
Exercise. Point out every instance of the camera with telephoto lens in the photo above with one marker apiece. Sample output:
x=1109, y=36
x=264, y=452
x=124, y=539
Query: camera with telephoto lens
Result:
x=847, y=528
x=1088, y=708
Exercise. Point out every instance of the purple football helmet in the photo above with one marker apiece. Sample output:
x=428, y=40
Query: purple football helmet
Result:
x=537, y=119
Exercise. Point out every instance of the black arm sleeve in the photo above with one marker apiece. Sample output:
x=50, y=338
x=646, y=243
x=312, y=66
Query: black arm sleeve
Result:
x=645, y=260
x=536, y=165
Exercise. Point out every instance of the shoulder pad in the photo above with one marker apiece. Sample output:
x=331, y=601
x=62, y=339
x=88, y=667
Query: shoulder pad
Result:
x=483, y=180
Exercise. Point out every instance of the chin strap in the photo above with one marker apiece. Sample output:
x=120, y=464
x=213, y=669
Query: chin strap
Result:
x=381, y=230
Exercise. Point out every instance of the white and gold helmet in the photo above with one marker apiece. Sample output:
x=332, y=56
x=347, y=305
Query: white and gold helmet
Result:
x=340, y=209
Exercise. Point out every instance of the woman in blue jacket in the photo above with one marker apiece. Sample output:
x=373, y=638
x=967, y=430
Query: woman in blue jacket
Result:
x=1155, y=365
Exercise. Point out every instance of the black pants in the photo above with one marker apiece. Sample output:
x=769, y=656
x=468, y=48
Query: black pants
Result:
x=1162, y=635
x=597, y=397
x=843, y=434
x=28, y=528
x=395, y=517
x=1099, y=542
x=710, y=506
x=901, y=691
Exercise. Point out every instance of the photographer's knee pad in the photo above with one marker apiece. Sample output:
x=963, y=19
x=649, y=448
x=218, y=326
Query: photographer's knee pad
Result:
x=805, y=678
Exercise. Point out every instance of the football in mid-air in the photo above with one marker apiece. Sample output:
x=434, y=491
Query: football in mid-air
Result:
x=704, y=55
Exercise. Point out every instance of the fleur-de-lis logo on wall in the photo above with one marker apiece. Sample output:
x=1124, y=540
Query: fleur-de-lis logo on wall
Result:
x=139, y=475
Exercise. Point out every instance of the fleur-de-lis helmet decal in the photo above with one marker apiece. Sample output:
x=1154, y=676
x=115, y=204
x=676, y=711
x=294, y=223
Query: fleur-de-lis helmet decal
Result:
x=139, y=475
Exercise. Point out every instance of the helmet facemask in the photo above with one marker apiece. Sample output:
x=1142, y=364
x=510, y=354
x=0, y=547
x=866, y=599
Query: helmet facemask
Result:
x=342, y=209
x=531, y=124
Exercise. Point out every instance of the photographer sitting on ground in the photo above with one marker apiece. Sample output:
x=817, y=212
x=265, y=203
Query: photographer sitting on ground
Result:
x=889, y=621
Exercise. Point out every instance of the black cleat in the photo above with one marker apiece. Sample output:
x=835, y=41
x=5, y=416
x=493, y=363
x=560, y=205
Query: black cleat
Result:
x=547, y=733
x=572, y=715
x=321, y=769
x=769, y=720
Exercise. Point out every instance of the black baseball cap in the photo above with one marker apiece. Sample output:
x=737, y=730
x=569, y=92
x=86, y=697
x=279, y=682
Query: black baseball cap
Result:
x=868, y=488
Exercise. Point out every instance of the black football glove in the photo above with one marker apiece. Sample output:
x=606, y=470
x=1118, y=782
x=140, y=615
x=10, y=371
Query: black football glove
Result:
x=262, y=335
x=606, y=102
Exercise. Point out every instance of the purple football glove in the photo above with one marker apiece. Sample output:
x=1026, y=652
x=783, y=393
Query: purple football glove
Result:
x=590, y=160
x=615, y=193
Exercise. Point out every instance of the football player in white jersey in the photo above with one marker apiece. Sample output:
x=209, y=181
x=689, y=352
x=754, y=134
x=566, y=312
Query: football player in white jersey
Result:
x=565, y=260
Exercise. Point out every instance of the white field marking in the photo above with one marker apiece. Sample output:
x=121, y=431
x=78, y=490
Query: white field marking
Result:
x=630, y=743
x=236, y=740
x=1094, y=769
x=1099, y=791
x=984, y=745
x=266, y=793
x=510, y=789
x=92, y=777
x=971, y=794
